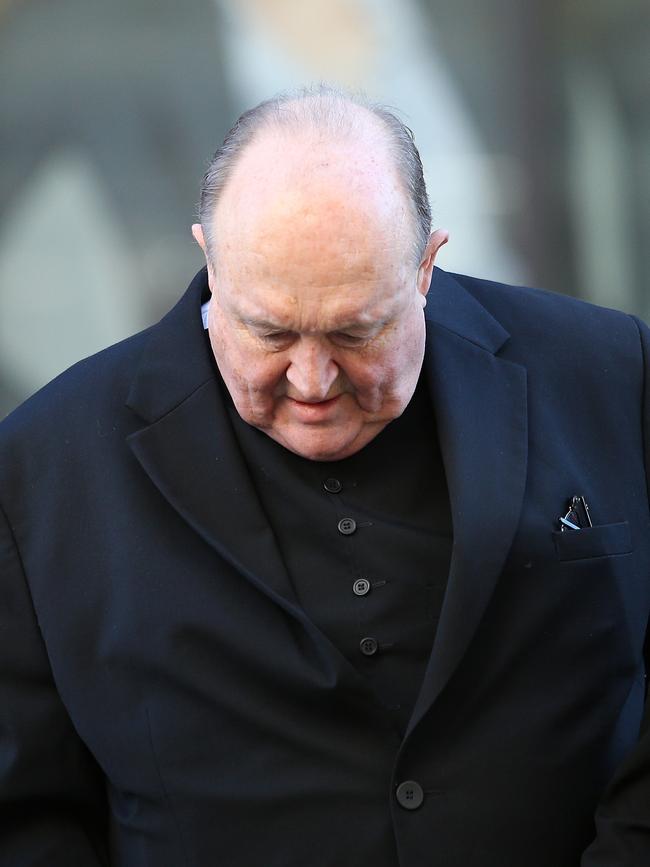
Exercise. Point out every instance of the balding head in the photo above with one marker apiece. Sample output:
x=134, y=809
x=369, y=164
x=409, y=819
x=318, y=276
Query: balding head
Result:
x=331, y=124
x=313, y=207
x=319, y=269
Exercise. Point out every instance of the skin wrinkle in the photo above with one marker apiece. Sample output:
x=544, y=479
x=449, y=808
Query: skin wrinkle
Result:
x=316, y=237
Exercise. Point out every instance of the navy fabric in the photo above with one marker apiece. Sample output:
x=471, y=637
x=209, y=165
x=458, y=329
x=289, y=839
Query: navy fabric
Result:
x=165, y=699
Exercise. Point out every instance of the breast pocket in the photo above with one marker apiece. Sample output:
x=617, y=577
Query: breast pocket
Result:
x=602, y=541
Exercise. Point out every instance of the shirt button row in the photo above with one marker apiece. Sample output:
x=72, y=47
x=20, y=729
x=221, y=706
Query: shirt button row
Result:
x=369, y=646
x=361, y=587
x=347, y=526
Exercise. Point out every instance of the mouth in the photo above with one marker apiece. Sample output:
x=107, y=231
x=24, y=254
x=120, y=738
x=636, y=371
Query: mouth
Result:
x=313, y=411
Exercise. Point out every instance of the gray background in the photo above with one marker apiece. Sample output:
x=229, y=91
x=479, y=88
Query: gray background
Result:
x=532, y=119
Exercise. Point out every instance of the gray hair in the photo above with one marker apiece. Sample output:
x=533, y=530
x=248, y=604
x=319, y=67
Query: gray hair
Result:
x=322, y=107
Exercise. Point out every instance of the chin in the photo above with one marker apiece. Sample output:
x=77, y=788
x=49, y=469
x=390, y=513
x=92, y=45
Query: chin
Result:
x=316, y=447
x=331, y=444
x=319, y=453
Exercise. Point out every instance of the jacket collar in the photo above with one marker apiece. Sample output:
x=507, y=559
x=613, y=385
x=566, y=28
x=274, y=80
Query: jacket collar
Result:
x=452, y=307
x=176, y=359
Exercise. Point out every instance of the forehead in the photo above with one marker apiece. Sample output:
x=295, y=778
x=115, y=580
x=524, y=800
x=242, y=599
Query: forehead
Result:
x=325, y=311
x=325, y=236
x=317, y=273
x=258, y=297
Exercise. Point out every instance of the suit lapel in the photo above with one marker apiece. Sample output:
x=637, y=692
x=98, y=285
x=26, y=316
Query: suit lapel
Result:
x=189, y=451
x=481, y=411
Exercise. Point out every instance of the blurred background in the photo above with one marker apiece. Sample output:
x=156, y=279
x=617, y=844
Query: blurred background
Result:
x=532, y=118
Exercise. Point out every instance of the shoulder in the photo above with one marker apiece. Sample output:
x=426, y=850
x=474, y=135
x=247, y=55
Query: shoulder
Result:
x=519, y=305
x=83, y=417
x=100, y=381
x=553, y=323
x=77, y=420
x=96, y=389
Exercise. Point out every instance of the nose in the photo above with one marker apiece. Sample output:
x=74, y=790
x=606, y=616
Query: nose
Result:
x=311, y=371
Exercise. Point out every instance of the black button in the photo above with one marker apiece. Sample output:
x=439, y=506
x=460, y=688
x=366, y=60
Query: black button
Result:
x=332, y=486
x=368, y=646
x=361, y=586
x=409, y=795
x=347, y=526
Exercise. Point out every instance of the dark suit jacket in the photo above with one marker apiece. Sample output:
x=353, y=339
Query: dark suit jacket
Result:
x=164, y=697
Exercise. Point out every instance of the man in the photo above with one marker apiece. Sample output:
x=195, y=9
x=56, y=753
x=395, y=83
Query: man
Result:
x=319, y=585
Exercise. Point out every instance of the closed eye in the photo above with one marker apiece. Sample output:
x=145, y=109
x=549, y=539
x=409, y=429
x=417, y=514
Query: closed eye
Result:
x=277, y=339
x=351, y=340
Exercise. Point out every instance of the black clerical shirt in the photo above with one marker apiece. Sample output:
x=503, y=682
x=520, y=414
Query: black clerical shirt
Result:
x=366, y=542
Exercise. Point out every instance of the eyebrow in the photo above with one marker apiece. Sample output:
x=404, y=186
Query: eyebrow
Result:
x=267, y=325
x=262, y=323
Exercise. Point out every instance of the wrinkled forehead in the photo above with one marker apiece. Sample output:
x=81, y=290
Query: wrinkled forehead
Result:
x=314, y=272
x=322, y=309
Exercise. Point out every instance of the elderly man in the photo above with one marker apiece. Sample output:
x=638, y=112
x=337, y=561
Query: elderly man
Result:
x=352, y=569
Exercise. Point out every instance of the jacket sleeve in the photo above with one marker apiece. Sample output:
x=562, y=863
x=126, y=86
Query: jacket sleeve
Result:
x=623, y=815
x=52, y=799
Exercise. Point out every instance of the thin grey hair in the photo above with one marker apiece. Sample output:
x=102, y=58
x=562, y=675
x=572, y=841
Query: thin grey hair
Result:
x=325, y=108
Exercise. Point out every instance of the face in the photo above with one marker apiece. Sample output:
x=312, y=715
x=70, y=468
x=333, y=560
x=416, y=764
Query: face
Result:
x=316, y=319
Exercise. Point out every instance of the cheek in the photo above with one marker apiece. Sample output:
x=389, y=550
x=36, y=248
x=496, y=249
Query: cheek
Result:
x=263, y=378
x=391, y=373
x=257, y=380
x=245, y=369
x=373, y=381
x=388, y=370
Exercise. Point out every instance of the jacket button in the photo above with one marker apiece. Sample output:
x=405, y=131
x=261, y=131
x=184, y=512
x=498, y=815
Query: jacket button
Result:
x=409, y=795
x=347, y=526
x=361, y=586
x=368, y=646
x=332, y=486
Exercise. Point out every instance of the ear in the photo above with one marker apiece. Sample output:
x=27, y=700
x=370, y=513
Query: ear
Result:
x=197, y=232
x=436, y=240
